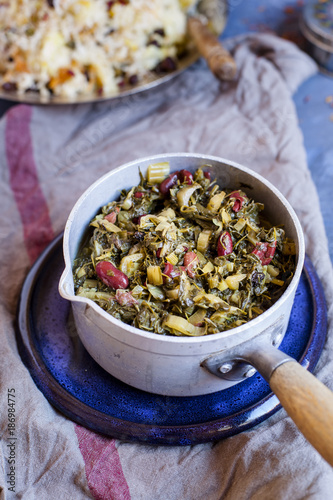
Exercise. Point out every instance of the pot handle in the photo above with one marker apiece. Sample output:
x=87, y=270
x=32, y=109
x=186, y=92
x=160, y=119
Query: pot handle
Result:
x=308, y=402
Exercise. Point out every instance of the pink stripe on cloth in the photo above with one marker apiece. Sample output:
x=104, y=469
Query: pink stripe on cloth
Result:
x=103, y=469
x=104, y=473
x=24, y=182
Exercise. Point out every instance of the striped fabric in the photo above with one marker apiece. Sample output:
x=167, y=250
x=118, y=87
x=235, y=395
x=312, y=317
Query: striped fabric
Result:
x=102, y=464
x=48, y=157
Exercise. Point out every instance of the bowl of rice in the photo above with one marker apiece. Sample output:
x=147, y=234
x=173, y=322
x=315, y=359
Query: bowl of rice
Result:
x=64, y=51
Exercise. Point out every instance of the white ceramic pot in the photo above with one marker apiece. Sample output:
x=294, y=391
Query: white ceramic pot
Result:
x=177, y=366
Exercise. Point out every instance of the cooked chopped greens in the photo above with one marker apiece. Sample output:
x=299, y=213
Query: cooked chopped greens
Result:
x=178, y=255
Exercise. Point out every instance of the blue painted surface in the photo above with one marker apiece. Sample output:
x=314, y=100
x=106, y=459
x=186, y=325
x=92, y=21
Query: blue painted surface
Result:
x=78, y=387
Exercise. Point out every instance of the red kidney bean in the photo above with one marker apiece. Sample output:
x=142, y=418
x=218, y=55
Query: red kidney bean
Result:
x=265, y=251
x=167, y=184
x=239, y=200
x=170, y=271
x=111, y=276
x=138, y=194
x=207, y=175
x=185, y=176
x=136, y=220
x=189, y=258
x=224, y=244
x=190, y=263
x=168, y=268
x=112, y=217
x=125, y=298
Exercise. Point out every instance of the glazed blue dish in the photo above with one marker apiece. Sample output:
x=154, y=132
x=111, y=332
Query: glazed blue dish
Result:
x=79, y=388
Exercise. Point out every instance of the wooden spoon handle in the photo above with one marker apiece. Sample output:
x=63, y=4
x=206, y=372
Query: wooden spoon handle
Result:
x=308, y=402
x=218, y=58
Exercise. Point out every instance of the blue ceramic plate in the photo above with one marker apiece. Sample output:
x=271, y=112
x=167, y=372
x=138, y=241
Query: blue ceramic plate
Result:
x=72, y=381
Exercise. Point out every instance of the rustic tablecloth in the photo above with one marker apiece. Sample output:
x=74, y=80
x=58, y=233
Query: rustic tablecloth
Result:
x=48, y=156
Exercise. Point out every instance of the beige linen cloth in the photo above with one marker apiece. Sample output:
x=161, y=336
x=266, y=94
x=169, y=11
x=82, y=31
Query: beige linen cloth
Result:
x=48, y=157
